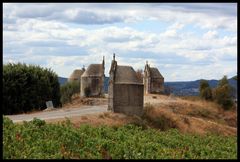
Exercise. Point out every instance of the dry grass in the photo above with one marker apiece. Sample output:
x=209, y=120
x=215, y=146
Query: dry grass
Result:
x=164, y=112
x=192, y=115
x=195, y=107
x=106, y=118
x=186, y=123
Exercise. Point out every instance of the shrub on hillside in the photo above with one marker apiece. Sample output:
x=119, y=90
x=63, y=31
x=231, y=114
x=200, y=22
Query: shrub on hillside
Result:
x=28, y=87
x=203, y=84
x=205, y=90
x=206, y=93
x=223, y=81
x=223, y=94
x=68, y=90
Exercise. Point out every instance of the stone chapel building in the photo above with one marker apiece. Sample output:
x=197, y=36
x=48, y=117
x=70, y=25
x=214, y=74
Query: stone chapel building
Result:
x=93, y=79
x=153, y=80
x=125, y=91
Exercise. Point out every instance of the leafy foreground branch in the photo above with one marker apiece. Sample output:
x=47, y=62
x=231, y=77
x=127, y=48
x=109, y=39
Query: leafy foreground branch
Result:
x=38, y=140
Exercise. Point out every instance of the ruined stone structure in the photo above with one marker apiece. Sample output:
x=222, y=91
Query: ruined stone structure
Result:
x=93, y=79
x=153, y=80
x=76, y=75
x=125, y=91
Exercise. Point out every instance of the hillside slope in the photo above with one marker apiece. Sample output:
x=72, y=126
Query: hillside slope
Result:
x=189, y=115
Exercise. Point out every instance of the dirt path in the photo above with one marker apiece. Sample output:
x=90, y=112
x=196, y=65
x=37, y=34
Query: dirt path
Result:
x=59, y=113
x=189, y=115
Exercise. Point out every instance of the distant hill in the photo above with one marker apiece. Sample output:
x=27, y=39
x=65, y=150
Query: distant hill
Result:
x=187, y=88
x=190, y=88
x=62, y=80
x=106, y=80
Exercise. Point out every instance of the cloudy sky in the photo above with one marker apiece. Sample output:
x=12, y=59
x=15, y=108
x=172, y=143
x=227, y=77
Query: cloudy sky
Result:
x=186, y=41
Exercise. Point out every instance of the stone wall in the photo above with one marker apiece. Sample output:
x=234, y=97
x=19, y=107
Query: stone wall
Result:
x=128, y=99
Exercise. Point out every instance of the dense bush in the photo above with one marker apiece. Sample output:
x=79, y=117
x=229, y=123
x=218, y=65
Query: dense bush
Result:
x=28, y=87
x=223, y=94
x=205, y=90
x=206, y=93
x=39, y=140
x=68, y=90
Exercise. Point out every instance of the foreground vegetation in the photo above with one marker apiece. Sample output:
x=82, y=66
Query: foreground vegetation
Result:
x=28, y=87
x=38, y=140
x=68, y=90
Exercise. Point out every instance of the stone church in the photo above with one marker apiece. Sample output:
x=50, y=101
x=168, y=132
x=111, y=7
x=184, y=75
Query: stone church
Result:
x=93, y=80
x=153, y=80
x=125, y=91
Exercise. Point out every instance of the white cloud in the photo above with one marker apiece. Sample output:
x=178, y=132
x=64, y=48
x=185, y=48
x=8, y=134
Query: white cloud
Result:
x=210, y=34
x=193, y=55
x=52, y=37
x=170, y=33
x=176, y=26
x=205, y=15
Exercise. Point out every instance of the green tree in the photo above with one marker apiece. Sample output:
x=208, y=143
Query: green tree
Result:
x=223, y=94
x=205, y=90
x=28, y=87
x=203, y=84
x=223, y=81
x=206, y=93
x=68, y=90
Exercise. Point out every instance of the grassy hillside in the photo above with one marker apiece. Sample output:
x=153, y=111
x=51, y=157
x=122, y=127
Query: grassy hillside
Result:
x=188, y=114
x=38, y=140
